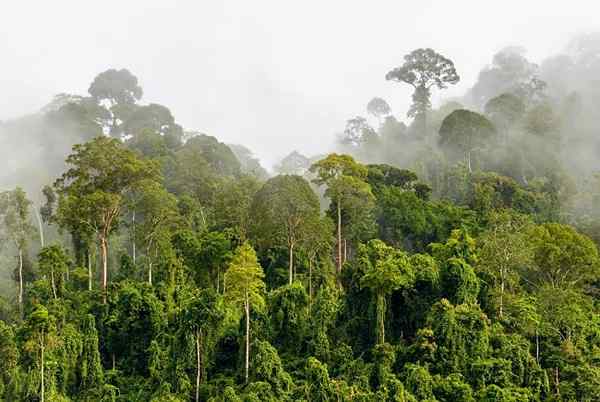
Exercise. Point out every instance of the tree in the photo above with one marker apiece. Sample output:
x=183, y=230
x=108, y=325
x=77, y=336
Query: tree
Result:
x=120, y=90
x=386, y=269
x=202, y=315
x=346, y=188
x=424, y=69
x=245, y=288
x=282, y=211
x=358, y=132
x=39, y=323
x=562, y=257
x=465, y=131
x=158, y=218
x=232, y=205
x=156, y=118
x=505, y=111
x=503, y=251
x=14, y=217
x=53, y=261
x=294, y=163
x=250, y=165
x=379, y=108
x=92, y=191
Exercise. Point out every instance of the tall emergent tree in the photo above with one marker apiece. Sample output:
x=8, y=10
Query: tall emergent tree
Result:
x=346, y=187
x=424, y=69
x=119, y=90
x=283, y=210
x=464, y=131
x=93, y=190
x=245, y=287
x=14, y=219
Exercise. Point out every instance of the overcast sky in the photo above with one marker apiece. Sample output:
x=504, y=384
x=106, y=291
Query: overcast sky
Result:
x=273, y=75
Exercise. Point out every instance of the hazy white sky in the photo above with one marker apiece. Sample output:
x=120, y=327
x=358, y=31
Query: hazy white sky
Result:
x=272, y=75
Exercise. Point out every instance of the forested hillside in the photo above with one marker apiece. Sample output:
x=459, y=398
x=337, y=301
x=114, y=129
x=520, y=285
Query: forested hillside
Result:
x=450, y=256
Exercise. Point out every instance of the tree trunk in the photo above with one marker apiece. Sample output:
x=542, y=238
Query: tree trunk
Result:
x=198, y=364
x=52, y=283
x=345, y=250
x=89, y=264
x=339, y=235
x=310, y=291
x=501, y=292
x=104, y=256
x=247, y=362
x=42, y=366
x=557, y=381
x=381, y=318
x=133, y=254
x=20, y=295
x=537, y=346
x=469, y=161
x=40, y=226
x=150, y=273
x=291, y=263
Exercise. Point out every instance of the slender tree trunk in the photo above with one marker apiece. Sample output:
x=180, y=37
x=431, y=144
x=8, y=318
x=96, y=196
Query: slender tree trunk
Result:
x=247, y=362
x=89, y=264
x=537, y=346
x=381, y=317
x=40, y=226
x=310, y=290
x=557, y=381
x=53, y=283
x=150, y=273
x=339, y=235
x=291, y=263
x=20, y=295
x=104, y=256
x=501, y=292
x=133, y=254
x=345, y=250
x=198, y=363
x=42, y=366
x=469, y=161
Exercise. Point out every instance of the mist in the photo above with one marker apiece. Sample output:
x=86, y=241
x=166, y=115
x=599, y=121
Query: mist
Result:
x=272, y=77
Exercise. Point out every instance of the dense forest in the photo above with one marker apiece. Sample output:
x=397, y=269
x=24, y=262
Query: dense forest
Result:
x=449, y=256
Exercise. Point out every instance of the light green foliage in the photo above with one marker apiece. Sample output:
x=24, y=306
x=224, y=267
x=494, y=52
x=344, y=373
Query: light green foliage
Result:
x=244, y=279
x=562, y=257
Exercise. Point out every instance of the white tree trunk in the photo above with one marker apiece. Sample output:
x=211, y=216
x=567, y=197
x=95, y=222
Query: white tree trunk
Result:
x=247, y=362
x=20, y=295
x=291, y=263
x=104, y=256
